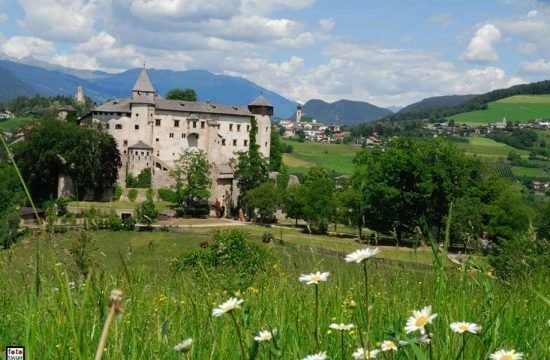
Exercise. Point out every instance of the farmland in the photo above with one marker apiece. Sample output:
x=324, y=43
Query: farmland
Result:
x=520, y=108
x=333, y=157
x=488, y=148
x=12, y=124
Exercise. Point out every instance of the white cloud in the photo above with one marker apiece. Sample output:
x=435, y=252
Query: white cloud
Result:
x=327, y=25
x=183, y=9
x=482, y=46
x=75, y=61
x=528, y=48
x=23, y=46
x=539, y=67
x=269, y=6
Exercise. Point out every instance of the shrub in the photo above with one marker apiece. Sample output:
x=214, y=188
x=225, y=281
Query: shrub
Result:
x=146, y=212
x=132, y=195
x=129, y=224
x=167, y=195
x=62, y=204
x=267, y=237
x=232, y=259
x=115, y=223
x=117, y=193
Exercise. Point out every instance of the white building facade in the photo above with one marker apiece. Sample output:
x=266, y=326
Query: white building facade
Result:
x=152, y=132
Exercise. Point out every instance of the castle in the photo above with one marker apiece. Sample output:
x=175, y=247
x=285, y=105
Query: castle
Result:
x=151, y=133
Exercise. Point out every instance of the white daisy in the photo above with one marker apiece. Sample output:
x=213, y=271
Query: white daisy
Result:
x=420, y=319
x=264, y=335
x=319, y=356
x=462, y=327
x=388, y=345
x=184, y=346
x=227, y=306
x=314, y=278
x=362, y=254
x=362, y=354
x=341, y=327
x=506, y=355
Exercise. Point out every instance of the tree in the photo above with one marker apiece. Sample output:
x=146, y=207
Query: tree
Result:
x=348, y=208
x=265, y=199
x=276, y=151
x=294, y=202
x=191, y=173
x=318, y=199
x=251, y=168
x=146, y=212
x=53, y=148
x=182, y=94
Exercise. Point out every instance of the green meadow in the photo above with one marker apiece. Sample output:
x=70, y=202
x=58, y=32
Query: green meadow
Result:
x=333, y=157
x=17, y=122
x=520, y=108
x=161, y=308
x=485, y=147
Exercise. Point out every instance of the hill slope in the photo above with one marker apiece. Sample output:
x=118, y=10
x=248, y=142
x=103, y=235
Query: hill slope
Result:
x=436, y=102
x=52, y=80
x=343, y=112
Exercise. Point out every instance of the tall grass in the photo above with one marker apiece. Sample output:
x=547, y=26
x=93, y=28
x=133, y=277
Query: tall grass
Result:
x=162, y=309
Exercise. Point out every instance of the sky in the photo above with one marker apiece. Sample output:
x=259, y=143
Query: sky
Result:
x=389, y=53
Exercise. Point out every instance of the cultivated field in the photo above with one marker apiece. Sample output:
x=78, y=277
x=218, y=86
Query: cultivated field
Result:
x=12, y=124
x=485, y=147
x=162, y=308
x=520, y=108
x=333, y=157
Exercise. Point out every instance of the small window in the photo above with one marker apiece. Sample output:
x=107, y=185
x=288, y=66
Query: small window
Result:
x=125, y=142
x=230, y=127
x=194, y=124
x=136, y=127
x=157, y=139
x=183, y=136
x=176, y=123
x=118, y=114
x=171, y=135
x=157, y=122
x=142, y=153
x=266, y=144
x=223, y=142
x=202, y=124
x=246, y=143
x=124, y=151
x=107, y=126
x=137, y=114
x=239, y=127
x=235, y=142
x=118, y=126
x=266, y=128
x=247, y=128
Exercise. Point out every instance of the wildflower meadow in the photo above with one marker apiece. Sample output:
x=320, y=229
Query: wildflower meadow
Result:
x=300, y=305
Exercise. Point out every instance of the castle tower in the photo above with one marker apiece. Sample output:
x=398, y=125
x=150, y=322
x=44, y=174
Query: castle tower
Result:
x=262, y=110
x=143, y=89
x=80, y=95
x=298, y=113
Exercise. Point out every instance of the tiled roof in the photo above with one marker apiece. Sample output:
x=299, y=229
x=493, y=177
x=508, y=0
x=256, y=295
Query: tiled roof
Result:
x=140, y=145
x=143, y=83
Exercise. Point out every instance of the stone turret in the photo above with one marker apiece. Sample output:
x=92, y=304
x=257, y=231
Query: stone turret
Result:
x=80, y=95
x=143, y=90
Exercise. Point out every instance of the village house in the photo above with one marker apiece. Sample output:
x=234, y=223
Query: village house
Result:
x=152, y=132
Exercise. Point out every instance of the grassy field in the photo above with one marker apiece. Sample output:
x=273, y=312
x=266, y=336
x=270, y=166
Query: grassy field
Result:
x=161, y=205
x=162, y=308
x=485, y=147
x=520, y=108
x=15, y=123
x=333, y=157
x=530, y=172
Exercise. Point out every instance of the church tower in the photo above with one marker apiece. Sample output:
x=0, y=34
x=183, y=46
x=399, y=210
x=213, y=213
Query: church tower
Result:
x=79, y=97
x=298, y=113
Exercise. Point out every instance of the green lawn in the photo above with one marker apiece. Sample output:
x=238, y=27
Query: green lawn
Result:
x=530, y=172
x=161, y=205
x=485, y=147
x=333, y=157
x=520, y=108
x=15, y=123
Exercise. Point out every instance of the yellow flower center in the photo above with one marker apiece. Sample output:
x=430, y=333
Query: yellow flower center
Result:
x=463, y=327
x=421, y=321
x=315, y=278
x=507, y=357
x=390, y=345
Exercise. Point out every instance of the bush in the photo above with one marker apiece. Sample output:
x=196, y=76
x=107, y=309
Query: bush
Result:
x=62, y=204
x=232, y=259
x=267, y=237
x=117, y=193
x=142, y=181
x=129, y=224
x=146, y=212
x=115, y=223
x=132, y=195
x=167, y=195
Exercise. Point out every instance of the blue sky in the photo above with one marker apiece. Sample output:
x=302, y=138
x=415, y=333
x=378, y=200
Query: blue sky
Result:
x=390, y=53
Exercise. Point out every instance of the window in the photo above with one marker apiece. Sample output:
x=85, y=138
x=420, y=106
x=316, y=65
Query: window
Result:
x=125, y=142
x=171, y=135
x=176, y=123
x=136, y=127
x=142, y=153
x=137, y=114
x=118, y=126
x=194, y=124
x=107, y=126
x=247, y=128
x=246, y=143
x=235, y=142
x=239, y=127
x=230, y=127
x=223, y=142
x=266, y=128
x=157, y=139
x=157, y=122
x=183, y=136
x=202, y=124
x=266, y=144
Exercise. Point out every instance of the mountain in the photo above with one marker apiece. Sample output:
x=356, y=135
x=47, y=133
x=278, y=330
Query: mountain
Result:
x=50, y=80
x=12, y=86
x=436, y=102
x=343, y=112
